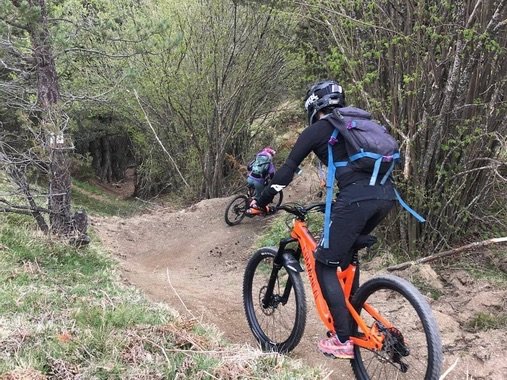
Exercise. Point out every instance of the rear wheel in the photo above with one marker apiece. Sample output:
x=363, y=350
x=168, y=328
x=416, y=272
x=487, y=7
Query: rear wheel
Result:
x=278, y=324
x=235, y=211
x=412, y=348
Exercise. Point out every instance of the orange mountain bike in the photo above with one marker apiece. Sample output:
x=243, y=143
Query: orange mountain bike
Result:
x=396, y=336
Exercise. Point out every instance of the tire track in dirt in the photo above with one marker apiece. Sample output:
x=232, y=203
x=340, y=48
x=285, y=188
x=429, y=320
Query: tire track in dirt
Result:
x=193, y=261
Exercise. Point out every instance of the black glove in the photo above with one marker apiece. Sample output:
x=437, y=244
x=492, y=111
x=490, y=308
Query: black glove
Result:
x=270, y=210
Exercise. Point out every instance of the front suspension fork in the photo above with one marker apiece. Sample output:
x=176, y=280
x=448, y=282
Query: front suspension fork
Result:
x=278, y=262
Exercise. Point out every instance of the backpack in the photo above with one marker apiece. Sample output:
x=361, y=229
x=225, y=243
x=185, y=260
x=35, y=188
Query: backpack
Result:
x=260, y=166
x=369, y=145
x=370, y=148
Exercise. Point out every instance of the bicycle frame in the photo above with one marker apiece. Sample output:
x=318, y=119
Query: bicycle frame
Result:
x=371, y=338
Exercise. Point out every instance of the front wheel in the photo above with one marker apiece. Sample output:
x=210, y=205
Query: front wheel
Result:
x=278, y=321
x=412, y=348
x=235, y=211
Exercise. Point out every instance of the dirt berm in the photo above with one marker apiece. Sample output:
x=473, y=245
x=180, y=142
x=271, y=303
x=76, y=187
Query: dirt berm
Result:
x=193, y=261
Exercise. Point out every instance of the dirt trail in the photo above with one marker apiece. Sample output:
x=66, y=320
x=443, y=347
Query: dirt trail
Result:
x=193, y=261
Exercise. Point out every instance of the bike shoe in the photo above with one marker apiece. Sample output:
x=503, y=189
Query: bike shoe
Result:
x=332, y=347
x=254, y=211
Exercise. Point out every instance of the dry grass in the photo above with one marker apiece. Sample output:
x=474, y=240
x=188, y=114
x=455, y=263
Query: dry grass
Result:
x=66, y=314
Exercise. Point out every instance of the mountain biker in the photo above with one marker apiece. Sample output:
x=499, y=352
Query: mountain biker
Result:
x=261, y=169
x=358, y=208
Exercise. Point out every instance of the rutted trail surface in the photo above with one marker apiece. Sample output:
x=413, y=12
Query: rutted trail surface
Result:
x=193, y=261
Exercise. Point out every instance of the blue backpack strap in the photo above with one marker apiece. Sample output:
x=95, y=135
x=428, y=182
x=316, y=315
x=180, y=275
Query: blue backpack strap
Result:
x=407, y=207
x=395, y=158
x=376, y=169
x=363, y=154
x=331, y=168
x=388, y=173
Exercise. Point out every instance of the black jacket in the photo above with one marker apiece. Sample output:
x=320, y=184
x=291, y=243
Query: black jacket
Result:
x=354, y=185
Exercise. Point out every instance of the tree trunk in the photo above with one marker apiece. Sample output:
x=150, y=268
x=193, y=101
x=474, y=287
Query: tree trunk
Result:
x=96, y=152
x=47, y=79
x=48, y=96
x=59, y=191
x=106, y=172
x=111, y=157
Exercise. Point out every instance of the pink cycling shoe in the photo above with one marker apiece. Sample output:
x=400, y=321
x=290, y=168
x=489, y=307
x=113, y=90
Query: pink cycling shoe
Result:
x=334, y=348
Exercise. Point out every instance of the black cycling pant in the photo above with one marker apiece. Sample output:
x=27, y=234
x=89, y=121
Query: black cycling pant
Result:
x=348, y=221
x=333, y=294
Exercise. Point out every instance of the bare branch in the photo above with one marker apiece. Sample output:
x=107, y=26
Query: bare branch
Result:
x=103, y=53
x=160, y=142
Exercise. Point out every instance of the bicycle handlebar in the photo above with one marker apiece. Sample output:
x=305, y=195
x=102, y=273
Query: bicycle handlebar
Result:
x=300, y=211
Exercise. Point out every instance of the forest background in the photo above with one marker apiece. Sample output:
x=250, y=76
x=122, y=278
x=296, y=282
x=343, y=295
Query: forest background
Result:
x=182, y=94
x=185, y=92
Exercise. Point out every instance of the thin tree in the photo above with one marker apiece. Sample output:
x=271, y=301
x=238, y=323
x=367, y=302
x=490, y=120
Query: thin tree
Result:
x=32, y=19
x=433, y=72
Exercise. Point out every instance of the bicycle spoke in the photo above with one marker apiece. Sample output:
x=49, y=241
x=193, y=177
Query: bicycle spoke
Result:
x=401, y=314
x=407, y=352
x=277, y=321
x=236, y=210
x=277, y=325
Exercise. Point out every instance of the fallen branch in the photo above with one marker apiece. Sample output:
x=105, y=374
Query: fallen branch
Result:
x=22, y=209
x=16, y=211
x=449, y=370
x=447, y=253
x=177, y=295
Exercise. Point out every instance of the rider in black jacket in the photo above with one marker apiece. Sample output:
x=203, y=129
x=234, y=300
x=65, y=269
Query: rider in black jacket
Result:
x=357, y=210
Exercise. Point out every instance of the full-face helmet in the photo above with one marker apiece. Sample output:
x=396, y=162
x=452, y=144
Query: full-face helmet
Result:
x=326, y=94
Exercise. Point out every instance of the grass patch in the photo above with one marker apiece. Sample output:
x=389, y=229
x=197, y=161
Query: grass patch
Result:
x=488, y=272
x=113, y=316
x=492, y=266
x=276, y=231
x=280, y=228
x=88, y=187
x=487, y=321
x=96, y=201
x=65, y=313
x=488, y=265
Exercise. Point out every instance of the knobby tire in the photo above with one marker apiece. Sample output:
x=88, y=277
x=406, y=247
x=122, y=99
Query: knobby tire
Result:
x=235, y=211
x=404, y=306
x=278, y=327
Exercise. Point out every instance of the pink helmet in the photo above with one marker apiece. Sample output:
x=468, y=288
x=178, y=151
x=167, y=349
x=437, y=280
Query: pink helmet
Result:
x=269, y=150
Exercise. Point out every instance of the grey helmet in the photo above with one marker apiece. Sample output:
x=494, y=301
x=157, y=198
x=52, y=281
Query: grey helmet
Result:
x=324, y=94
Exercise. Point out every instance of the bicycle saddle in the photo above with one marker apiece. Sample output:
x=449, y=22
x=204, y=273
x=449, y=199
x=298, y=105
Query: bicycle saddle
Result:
x=364, y=241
